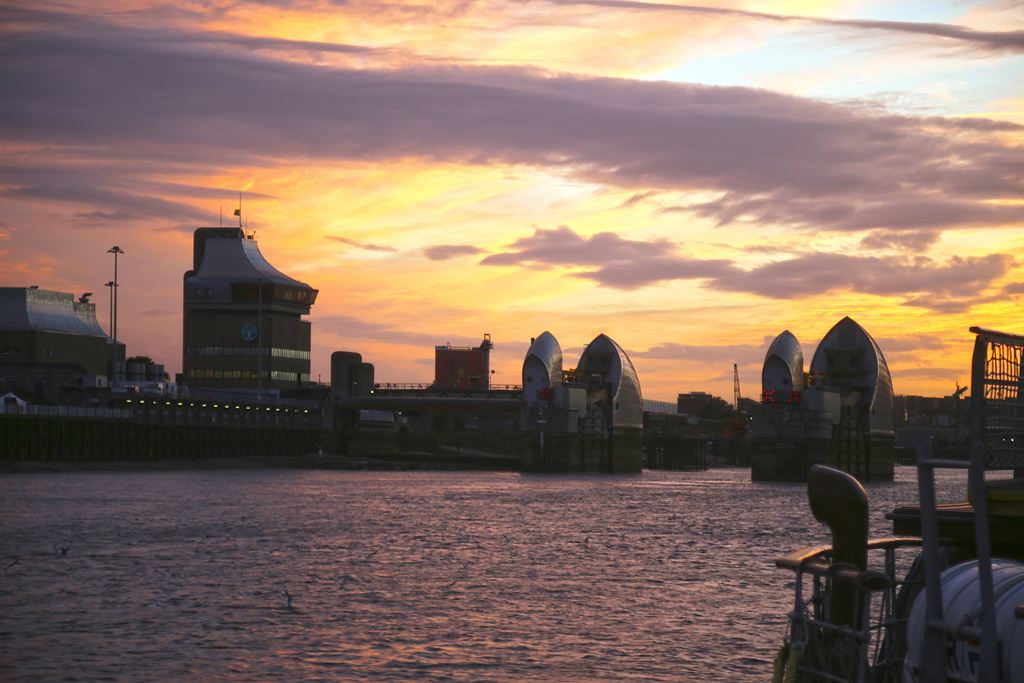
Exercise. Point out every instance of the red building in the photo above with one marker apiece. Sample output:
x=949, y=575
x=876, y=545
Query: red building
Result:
x=462, y=367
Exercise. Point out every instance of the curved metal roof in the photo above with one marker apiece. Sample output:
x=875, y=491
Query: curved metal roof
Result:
x=41, y=310
x=542, y=366
x=852, y=360
x=783, y=364
x=238, y=258
x=225, y=258
x=604, y=361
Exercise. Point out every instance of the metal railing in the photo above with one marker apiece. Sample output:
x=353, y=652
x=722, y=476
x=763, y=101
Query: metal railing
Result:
x=996, y=442
x=429, y=386
x=868, y=647
x=65, y=411
x=825, y=643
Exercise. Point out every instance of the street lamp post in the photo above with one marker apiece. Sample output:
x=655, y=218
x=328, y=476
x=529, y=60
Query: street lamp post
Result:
x=115, y=250
x=110, y=326
x=259, y=358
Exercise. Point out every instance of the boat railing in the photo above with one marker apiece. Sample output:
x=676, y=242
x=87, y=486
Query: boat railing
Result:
x=996, y=443
x=844, y=625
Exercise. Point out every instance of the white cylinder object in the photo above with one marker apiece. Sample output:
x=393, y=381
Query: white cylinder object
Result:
x=961, y=605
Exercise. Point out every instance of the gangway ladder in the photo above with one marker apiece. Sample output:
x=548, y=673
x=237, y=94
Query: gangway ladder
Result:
x=997, y=412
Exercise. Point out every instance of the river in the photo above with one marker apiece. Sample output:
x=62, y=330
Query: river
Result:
x=300, y=575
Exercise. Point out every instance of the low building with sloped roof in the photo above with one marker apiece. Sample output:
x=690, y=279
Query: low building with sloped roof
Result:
x=50, y=340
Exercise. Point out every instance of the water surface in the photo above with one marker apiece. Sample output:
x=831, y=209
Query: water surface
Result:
x=448, y=576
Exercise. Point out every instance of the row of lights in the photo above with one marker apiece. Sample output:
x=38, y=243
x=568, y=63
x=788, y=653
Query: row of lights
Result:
x=215, y=405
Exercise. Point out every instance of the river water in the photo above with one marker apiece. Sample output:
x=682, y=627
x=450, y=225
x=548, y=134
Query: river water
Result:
x=443, y=576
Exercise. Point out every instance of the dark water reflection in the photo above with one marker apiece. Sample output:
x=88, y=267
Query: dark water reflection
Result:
x=394, y=576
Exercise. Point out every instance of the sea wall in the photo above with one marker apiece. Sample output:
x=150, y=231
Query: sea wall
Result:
x=168, y=430
x=790, y=459
x=69, y=439
x=583, y=452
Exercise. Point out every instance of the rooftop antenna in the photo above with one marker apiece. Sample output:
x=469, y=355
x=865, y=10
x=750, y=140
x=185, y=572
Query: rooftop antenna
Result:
x=222, y=215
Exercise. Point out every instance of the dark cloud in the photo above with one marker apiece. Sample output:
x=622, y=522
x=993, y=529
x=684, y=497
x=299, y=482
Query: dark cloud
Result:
x=635, y=273
x=563, y=246
x=960, y=279
x=913, y=211
x=125, y=95
x=120, y=192
x=118, y=205
x=638, y=197
x=444, y=252
x=906, y=240
x=628, y=264
x=361, y=245
x=1011, y=42
x=106, y=216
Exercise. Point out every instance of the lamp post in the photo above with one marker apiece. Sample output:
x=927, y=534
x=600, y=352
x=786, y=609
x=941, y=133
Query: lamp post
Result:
x=115, y=250
x=110, y=326
x=259, y=358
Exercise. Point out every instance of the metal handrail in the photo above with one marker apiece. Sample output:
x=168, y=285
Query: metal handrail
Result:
x=809, y=614
x=996, y=356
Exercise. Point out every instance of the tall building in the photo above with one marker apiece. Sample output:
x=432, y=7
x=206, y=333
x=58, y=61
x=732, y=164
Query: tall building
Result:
x=243, y=326
x=49, y=340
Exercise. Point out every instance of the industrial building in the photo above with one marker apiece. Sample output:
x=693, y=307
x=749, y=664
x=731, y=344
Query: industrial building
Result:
x=243, y=325
x=839, y=413
x=463, y=368
x=50, y=340
x=589, y=419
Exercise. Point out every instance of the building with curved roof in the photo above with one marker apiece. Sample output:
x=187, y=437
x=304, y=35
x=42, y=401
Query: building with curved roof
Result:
x=49, y=340
x=783, y=369
x=851, y=360
x=542, y=368
x=243, y=326
x=612, y=382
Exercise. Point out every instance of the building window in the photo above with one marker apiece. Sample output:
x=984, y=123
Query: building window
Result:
x=282, y=376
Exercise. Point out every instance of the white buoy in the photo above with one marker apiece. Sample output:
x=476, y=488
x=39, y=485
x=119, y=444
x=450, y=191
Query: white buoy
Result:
x=961, y=605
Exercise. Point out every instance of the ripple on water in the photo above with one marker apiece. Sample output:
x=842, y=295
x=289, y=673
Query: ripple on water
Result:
x=401, y=576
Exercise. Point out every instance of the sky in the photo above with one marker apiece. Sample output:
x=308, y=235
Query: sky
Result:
x=689, y=179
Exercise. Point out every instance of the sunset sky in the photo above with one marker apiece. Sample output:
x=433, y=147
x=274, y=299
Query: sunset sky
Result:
x=689, y=179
